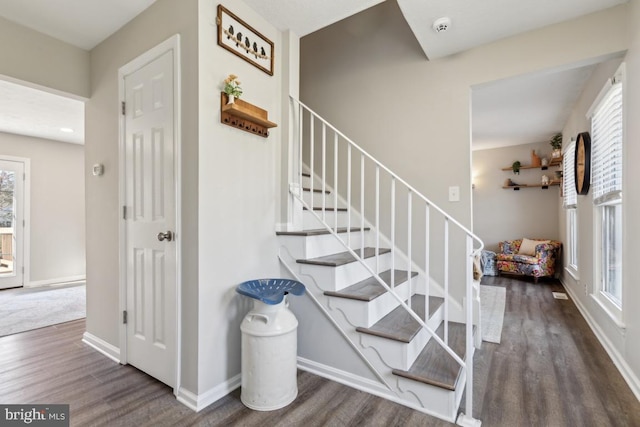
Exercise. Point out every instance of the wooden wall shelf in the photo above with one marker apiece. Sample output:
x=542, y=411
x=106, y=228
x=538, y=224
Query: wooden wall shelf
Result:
x=518, y=187
x=245, y=116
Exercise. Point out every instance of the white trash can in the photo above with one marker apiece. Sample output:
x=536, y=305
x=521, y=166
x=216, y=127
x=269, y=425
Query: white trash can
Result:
x=269, y=350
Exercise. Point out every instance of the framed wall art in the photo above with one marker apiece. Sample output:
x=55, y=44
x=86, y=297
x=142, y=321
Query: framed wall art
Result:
x=243, y=40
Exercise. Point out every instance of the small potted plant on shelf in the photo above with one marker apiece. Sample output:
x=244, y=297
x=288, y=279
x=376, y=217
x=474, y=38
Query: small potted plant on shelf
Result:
x=516, y=167
x=556, y=144
x=232, y=88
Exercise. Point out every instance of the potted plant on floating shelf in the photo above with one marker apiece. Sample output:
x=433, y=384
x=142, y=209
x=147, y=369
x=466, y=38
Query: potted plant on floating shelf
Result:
x=556, y=144
x=232, y=88
x=516, y=167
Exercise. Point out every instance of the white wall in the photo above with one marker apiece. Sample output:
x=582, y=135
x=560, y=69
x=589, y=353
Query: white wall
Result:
x=57, y=245
x=239, y=197
x=500, y=214
x=33, y=57
x=622, y=344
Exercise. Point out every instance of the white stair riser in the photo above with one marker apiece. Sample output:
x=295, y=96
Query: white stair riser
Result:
x=310, y=222
x=338, y=278
x=439, y=400
x=362, y=313
x=329, y=200
x=305, y=247
x=398, y=354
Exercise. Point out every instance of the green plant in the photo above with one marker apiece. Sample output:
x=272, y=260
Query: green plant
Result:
x=516, y=167
x=556, y=141
x=232, y=86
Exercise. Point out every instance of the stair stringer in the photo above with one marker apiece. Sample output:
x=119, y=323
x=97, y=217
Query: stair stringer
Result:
x=409, y=393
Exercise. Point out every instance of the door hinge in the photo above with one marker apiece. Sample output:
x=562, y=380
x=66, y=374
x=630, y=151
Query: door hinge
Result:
x=124, y=317
x=124, y=108
x=124, y=212
x=24, y=223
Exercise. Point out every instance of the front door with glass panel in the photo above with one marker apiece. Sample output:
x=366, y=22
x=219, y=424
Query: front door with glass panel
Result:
x=11, y=223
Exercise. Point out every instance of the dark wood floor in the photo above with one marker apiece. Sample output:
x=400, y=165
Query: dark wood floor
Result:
x=549, y=371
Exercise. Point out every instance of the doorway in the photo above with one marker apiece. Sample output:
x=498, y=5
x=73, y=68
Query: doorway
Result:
x=12, y=222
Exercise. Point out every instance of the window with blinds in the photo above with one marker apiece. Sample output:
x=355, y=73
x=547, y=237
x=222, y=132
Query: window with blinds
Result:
x=606, y=136
x=569, y=177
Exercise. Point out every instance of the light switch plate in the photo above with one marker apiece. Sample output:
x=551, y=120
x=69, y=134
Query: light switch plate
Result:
x=454, y=194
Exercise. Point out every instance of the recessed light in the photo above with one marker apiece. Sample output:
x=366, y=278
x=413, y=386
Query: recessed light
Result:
x=441, y=25
x=66, y=130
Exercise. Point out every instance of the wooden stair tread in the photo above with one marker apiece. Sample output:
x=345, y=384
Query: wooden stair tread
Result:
x=434, y=365
x=369, y=288
x=399, y=325
x=318, y=231
x=342, y=258
x=320, y=208
x=316, y=190
x=308, y=175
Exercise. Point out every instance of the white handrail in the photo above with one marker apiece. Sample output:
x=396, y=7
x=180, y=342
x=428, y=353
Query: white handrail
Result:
x=383, y=167
x=470, y=252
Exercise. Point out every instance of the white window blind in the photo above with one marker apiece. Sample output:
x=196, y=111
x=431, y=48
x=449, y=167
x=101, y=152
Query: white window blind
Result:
x=606, y=136
x=568, y=177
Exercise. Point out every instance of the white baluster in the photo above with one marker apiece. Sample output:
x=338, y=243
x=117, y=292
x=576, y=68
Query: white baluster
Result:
x=362, y=206
x=393, y=232
x=335, y=180
x=409, y=246
x=377, y=219
x=446, y=281
x=324, y=170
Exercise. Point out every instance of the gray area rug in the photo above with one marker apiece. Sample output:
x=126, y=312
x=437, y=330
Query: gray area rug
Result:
x=26, y=309
x=492, y=303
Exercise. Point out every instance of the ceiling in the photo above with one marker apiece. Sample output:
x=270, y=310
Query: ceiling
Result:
x=525, y=109
x=33, y=112
x=85, y=23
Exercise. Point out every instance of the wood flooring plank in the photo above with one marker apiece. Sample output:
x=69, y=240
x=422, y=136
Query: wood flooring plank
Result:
x=549, y=370
x=399, y=325
x=369, y=288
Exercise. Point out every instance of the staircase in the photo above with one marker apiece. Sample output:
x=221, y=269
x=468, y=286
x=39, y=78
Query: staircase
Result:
x=407, y=327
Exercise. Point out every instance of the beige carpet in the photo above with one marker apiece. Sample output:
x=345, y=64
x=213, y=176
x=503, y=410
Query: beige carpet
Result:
x=26, y=309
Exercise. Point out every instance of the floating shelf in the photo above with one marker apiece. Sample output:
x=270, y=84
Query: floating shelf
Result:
x=518, y=187
x=245, y=116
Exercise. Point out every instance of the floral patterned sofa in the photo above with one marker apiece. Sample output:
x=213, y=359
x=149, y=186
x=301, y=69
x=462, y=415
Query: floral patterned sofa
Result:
x=537, y=257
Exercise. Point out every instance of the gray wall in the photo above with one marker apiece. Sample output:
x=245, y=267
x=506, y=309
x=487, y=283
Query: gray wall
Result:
x=162, y=20
x=500, y=214
x=367, y=75
x=57, y=245
x=33, y=57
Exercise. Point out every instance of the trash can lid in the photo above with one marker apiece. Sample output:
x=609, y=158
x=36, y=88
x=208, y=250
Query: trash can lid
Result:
x=270, y=291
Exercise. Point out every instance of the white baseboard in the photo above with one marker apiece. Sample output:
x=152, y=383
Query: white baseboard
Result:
x=359, y=383
x=100, y=345
x=344, y=377
x=197, y=402
x=618, y=360
x=56, y=281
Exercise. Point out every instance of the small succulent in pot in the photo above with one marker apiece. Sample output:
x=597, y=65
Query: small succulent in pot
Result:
x=516, y=167
x=556, y=144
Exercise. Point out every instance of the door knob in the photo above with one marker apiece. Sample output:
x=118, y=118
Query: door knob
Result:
x=168, y=236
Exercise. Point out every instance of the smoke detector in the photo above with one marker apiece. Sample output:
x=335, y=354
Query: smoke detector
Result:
x=441, y=25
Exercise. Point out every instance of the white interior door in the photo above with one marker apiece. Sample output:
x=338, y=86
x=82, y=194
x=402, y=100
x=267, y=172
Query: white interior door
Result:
x=12, y=223
x=150, y=219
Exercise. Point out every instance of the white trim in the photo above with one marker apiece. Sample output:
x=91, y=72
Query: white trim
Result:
x=26, y=215
x=360, y=383
x=56, y=281
x=609, y=307
x=618, y=360
x=171, y=44
x=101, y=346
x=198, y=402
x=572, y=272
